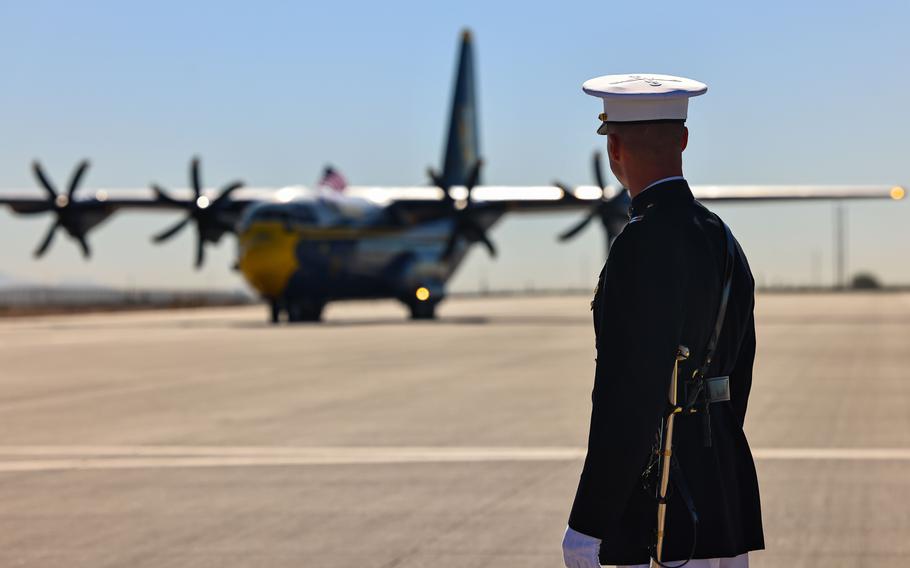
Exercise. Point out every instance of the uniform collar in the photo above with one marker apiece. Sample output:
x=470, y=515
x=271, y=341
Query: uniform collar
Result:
x=673, y=190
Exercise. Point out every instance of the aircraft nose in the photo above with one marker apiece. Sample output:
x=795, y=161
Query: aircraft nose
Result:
x=267, y=256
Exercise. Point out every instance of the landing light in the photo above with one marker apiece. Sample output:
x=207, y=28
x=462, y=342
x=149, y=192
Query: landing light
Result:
x=61, y=200
x=422, y=294
x=897, y=192
x=202, y=202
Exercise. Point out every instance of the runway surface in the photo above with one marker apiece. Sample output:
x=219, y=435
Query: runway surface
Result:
x=209, y=439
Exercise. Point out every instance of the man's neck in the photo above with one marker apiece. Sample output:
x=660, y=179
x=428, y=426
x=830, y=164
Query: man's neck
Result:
x=636, y=186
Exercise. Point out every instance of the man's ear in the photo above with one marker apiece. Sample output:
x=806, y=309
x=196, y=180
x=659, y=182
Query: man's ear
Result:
x=685, y=139
x=614, y=146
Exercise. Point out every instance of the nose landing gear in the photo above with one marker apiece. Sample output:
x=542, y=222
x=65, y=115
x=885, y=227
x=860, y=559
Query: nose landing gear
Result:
x=422, y=303
x=423, y=310
x=298, y=310
x=275, y=311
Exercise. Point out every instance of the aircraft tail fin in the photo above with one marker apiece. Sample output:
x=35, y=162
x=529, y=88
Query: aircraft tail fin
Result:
x=462, y=149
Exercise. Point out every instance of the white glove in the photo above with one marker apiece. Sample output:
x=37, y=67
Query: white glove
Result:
x=580, y=550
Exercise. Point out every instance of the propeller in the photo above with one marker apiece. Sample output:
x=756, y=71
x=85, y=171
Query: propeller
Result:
x=68, y=216
x=202, y=211
x=613, y=212
x=464, y=213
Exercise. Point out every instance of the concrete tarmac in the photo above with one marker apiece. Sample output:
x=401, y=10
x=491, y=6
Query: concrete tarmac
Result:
x=208, y=438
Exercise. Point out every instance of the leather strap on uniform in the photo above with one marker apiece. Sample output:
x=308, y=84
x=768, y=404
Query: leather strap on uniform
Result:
x=724, y=299
x=697, y=395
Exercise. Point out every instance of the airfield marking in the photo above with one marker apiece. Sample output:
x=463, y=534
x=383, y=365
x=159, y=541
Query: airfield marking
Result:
x=141, y=457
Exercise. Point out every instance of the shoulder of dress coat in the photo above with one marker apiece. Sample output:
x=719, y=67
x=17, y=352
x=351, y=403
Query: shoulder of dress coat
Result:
x=652, y=234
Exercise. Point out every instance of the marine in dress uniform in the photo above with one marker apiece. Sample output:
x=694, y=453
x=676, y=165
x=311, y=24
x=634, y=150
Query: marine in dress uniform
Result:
x=661, y=288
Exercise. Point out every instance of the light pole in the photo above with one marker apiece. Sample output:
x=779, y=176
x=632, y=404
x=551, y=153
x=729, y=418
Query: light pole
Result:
x=840, y=245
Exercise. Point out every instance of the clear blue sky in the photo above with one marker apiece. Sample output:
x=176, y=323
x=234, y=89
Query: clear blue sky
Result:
x=799, y=92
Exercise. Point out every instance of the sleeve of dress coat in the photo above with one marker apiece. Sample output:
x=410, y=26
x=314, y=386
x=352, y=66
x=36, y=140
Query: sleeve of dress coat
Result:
x=643, y=309
x=741, y=376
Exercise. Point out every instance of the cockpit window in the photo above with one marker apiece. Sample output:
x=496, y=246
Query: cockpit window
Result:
x=303, y=213
x=292, y=214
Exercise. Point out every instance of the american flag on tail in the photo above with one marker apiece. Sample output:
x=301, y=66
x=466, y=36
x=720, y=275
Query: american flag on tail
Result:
x=332, y=179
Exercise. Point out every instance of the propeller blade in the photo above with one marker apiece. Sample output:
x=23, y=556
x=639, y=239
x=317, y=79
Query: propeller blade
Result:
x=86, y=252
x=598, y=171
x=48, y=238
x=200, y=252
x=43, y=181
x=437, y=181
x=475, y=232
x=450, y=246
x=473, y=177
x=227, y=191
x=195, y=177
x=567, y=191
x=577, y=228
x=162, y=195
x=161, y=237
x=562, y=186
x=76, y=177
x=485, y=240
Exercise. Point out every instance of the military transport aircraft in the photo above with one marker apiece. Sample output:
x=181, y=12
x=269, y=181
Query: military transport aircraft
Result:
x=300, y=248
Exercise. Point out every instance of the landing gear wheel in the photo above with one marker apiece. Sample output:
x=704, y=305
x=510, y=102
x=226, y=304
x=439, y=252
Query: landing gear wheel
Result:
x=306, y=310
x=423, y=310
x=275, y=312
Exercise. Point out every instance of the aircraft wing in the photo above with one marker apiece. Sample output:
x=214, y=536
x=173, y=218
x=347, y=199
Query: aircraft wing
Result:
x=78, y=213
x=734, y=193
x=217, y=213
x=110, y=200
x=555, y=198
x=511, y=198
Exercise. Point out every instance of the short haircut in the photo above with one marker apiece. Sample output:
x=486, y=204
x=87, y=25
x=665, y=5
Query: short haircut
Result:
x=654, y=138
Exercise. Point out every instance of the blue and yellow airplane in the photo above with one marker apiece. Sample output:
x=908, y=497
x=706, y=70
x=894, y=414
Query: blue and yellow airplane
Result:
x=301, y=248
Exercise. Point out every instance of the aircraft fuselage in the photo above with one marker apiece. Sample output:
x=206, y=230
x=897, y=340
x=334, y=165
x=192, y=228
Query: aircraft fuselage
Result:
x=312, y=252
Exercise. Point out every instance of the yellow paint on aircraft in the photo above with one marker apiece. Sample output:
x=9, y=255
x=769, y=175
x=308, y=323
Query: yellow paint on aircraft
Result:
x=267, y=256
